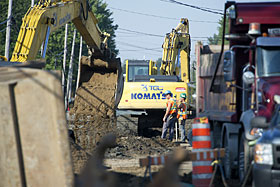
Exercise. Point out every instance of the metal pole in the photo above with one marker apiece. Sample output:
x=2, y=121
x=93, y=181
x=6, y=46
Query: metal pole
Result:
x=79, y=66
x=42, y=48
x=8, y=30
x=64, y=61
x=32, y=3
x=70, y=72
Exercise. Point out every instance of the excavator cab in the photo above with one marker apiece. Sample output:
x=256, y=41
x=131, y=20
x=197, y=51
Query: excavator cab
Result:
x=135, y=68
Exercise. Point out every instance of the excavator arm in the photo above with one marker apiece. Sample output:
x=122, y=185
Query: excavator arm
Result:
x=48, y=16
x=176, y=51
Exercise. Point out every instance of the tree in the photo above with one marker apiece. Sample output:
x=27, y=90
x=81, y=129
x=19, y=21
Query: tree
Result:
x=19, y=8
x=217, y=38
x=103, y=15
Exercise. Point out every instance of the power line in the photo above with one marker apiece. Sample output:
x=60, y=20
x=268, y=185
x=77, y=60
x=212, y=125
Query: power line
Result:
x=136, y=46
x=148, y=34
x=155, y=35
x=3, y=22
x=195, y=7
x=157, y=16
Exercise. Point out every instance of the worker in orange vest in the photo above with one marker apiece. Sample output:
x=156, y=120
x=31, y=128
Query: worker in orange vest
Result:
x=169, y=118
x=182, y=115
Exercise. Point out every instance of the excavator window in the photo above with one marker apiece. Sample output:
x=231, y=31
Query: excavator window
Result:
x=137, y=70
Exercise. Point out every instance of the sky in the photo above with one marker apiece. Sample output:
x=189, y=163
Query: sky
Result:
x=128, y=15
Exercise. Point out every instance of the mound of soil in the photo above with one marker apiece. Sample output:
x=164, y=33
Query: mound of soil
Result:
x=79, y=157
x=94, y=107
x=131, y=146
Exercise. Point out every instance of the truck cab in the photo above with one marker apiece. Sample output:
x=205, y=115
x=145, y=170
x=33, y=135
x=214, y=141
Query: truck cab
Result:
x=267, y=74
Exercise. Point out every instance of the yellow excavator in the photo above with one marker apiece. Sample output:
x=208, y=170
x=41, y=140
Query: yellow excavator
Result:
x=146, y=81
x=49, y=15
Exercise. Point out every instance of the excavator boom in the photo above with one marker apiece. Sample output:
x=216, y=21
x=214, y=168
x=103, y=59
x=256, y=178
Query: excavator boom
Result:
x=44, y=18
x=176, y=52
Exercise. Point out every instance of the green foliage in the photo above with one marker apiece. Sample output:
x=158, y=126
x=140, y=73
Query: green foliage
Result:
x=217, y=38
x=19, y=9
x=105, y=21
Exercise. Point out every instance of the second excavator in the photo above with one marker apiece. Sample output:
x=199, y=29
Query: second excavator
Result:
x=146, y=81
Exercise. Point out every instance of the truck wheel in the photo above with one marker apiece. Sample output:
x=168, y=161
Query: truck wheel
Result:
x=226, y=159
x=244, y=158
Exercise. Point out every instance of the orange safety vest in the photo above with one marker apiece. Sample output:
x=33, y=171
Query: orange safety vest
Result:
x=173, y=108
x=182, y=112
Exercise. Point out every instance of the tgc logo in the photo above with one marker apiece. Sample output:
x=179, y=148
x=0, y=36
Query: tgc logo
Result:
x=145, y=87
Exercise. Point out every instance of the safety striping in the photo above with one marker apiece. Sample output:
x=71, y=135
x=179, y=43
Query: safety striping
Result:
x=211, y=154
x=202, y=169
x=162, y=160
x=201, y=144
x=196, y=156
x=201, y=163
x=201, y=138
x=202, y=150
x=201, y=132
x=155, y=161
x=204, y=155
x=200, y=126
x=202, y=176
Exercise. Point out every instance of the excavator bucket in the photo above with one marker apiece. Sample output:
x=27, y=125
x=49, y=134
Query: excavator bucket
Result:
x=96, y=100
x=103, y=79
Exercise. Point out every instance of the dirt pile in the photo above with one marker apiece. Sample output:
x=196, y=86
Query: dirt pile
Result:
x=94, y=107
x=135, y=147
x=79, y=156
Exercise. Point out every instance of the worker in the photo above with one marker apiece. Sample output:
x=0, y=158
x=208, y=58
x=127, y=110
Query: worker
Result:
x=169, y=118
x=182, y=115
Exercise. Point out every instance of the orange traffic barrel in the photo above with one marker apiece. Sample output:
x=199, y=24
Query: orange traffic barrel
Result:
x=201, y=141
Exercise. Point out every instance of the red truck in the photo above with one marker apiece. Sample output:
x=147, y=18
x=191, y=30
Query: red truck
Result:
x=236, y=85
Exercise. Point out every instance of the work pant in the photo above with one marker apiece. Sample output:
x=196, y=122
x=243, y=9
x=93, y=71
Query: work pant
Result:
x=182, y=129
x=169, y=124
x=189, y=137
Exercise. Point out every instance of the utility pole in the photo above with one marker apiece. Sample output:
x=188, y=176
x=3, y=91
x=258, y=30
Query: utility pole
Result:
x=8, y=30
x=70, y=72
x=79, y=64
x=64, y=61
